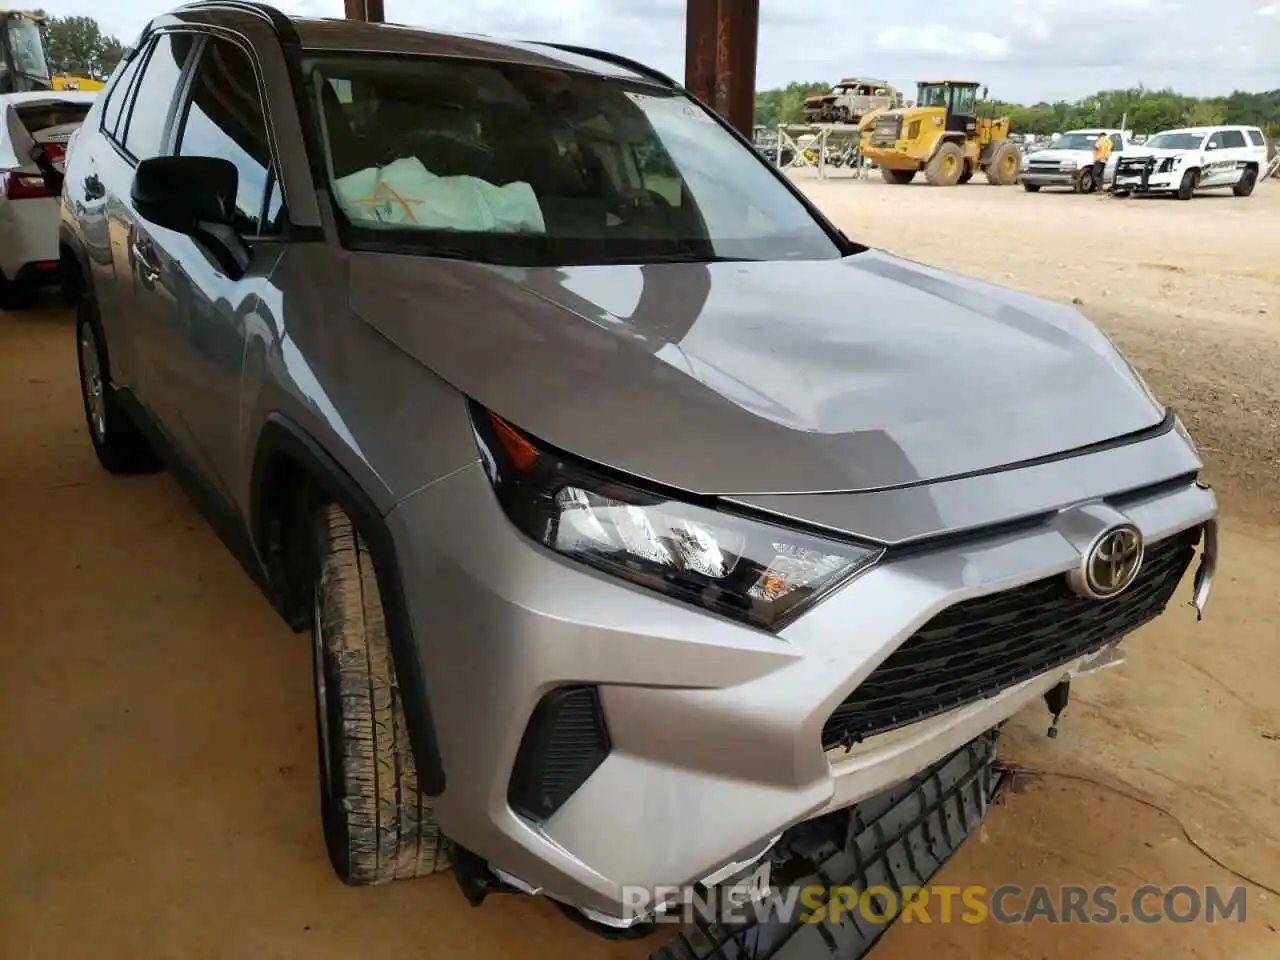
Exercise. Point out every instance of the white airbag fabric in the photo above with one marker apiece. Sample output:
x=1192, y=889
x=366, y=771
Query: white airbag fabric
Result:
x=407, y=193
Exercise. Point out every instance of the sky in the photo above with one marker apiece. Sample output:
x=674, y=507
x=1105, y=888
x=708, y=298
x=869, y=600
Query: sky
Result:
x=1024, y=50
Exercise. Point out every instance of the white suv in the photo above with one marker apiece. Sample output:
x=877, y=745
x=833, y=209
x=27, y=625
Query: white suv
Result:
x=1194, y=158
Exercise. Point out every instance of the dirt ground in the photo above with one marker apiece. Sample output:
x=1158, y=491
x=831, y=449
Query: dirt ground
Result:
x=156, y=743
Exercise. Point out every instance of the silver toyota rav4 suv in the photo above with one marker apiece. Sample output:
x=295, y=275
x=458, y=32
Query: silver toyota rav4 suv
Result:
x=638, y=514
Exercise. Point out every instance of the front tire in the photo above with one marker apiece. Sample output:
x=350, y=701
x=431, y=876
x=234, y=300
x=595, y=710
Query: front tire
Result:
x=117, y=442
x=1031, y=187
x=378, y=827
x=1187, y=188
x=897, y=177
x=1085, y=183
x=1244, y=186
x=946, y=166
x=1002, y=167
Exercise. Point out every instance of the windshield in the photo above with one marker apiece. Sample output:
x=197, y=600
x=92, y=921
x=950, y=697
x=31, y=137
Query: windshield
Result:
x=932, y=95
x=27, y=47
x=1075, y=141
x=533, y=166
x=1176, y=141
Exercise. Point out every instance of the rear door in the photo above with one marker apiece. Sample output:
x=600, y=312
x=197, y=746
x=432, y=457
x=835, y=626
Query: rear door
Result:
x=1257, y=152
x=99, y=179
x=1219, y=167
x=1237, y=149
x=145, y=291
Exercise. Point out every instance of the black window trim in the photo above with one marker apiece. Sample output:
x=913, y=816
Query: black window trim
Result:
x=210, y=31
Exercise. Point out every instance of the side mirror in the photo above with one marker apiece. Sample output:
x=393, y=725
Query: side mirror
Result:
x=184, y=193
x=195, y=196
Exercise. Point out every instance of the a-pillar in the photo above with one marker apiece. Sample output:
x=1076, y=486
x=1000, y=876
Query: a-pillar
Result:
x=720, y=57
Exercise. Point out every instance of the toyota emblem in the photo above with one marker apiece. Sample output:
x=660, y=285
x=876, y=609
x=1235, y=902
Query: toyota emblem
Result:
x=1111, y=564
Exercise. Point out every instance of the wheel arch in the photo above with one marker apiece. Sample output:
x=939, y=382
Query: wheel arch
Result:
x=947, y=136
x=292, y=475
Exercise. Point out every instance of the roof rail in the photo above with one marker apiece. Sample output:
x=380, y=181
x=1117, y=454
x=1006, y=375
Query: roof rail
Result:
x=617, y=60
x=280, y=23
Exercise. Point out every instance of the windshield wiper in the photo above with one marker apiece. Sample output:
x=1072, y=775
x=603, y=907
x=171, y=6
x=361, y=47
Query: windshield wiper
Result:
x=687, y=256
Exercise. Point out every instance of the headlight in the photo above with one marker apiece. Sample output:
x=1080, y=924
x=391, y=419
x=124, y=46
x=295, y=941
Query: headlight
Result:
x=749, y=569
x=1069, y=164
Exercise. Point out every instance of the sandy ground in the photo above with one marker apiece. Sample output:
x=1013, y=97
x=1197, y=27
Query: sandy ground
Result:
x=157, y=754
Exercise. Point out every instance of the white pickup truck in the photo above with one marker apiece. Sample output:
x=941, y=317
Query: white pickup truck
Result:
x=1068, y=161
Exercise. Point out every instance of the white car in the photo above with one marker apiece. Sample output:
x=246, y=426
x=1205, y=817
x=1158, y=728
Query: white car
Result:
x=1068, y=162
x=34, y=135
x=1180, y=162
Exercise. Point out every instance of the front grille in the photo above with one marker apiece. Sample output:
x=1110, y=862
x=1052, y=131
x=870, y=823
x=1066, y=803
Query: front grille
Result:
x=887, y=130
x=981, y=646
x=1135, y=165
x=1046, y=166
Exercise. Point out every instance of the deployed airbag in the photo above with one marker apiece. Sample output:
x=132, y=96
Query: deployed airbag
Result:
x=406, y=193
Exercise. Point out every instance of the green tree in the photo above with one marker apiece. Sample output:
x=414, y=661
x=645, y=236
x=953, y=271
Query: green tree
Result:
x=77, y=45
x=1205, y=113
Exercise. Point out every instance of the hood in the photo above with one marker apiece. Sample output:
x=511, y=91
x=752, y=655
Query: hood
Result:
x=1057, y=155
x=747, y=378
x=1155, y=152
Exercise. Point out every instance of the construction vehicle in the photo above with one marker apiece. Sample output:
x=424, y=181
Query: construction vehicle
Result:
x=942, y=135
x=850, y=100
x=23, y=65
x=67, y=81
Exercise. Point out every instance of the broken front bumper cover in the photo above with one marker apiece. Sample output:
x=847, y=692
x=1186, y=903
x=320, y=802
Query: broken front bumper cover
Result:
x=895, y=840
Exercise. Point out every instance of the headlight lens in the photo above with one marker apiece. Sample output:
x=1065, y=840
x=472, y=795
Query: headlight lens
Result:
x=737, y=566
x=1069, y=164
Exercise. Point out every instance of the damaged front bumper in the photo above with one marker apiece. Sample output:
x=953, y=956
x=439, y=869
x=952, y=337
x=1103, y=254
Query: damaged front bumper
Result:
x=892, y=842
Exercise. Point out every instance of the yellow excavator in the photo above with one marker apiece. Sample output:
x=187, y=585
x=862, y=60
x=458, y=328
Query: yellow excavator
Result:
x=23, y=65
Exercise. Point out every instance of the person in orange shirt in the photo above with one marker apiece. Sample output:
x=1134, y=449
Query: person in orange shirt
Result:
x=1101, y=151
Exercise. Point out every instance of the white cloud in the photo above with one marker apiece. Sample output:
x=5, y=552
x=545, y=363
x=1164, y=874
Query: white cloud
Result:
x=1270, y=10
x=939, y=39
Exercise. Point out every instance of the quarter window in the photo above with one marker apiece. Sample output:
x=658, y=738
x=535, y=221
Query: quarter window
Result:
x=150, y=112
x=225, y=119
x=1257, y=139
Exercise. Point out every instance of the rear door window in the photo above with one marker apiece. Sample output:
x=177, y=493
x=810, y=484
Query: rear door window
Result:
x=149, y=116
x=1231, y=139
x=119, y=94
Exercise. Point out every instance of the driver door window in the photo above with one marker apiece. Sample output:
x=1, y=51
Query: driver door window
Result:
x=225, y=119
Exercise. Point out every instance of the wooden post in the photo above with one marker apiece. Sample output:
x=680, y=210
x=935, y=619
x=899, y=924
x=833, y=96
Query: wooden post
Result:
x=370, y=11
x=720, y=57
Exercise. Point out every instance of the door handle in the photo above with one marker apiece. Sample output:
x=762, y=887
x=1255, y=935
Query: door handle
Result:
x=93, y=188
x=144, y=255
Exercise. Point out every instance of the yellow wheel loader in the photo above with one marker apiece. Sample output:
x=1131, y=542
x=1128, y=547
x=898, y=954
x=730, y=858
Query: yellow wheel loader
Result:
x=23, y=66
x=943, y=136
